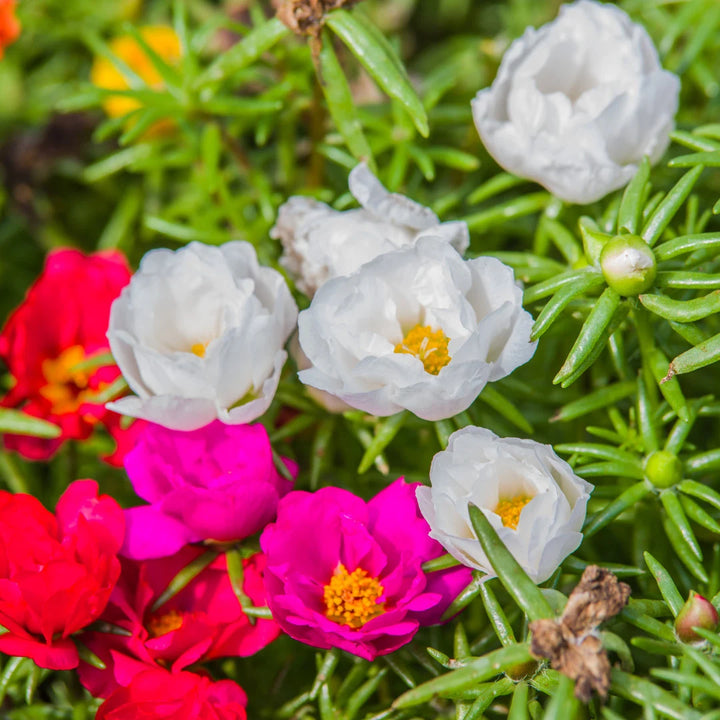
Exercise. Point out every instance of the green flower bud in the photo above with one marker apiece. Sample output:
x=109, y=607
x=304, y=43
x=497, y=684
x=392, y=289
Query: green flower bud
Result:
x=628, y=264
x=696, y=612
x=663, y=469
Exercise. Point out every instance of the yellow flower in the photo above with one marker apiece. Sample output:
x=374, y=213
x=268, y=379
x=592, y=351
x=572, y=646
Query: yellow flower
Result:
x=162, y=39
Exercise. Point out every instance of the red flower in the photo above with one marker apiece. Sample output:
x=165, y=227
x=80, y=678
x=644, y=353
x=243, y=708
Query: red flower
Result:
x=9, y=25
x=158, y=694
x=201, y=622
x=63, y=321
x=56, y=571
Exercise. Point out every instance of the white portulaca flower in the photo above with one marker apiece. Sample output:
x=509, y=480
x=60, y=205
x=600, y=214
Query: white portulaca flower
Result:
x=418, y=329
x=320, y=243
x=199, y=333
x=577, y=103
x=532, y=498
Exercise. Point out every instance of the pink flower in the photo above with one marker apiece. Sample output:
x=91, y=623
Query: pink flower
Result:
x=201, y=622
x=56, y=571
x=217, y=483
x=159, y=694
x=62, y=322
x=345, y=573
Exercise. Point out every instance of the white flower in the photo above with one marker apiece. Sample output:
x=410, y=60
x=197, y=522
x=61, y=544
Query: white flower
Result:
x=531, y=497
x=418, y=328
x=199, y=333
x=320, y=243
x=578, y=102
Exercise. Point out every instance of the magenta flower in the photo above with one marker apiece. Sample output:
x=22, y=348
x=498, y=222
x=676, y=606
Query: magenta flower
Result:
x=217, y=483
x=344, y=573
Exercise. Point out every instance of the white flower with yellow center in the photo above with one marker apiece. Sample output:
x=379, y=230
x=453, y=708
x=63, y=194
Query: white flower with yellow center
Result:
x=199, y=334
x=578, y=102
x=418, y=329
x=320, y=243
x=532, y=498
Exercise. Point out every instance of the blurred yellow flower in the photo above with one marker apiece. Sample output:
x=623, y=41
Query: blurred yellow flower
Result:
x=162, y=39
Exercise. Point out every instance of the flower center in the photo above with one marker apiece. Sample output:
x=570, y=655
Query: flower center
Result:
x=167, y=622
x=352, y=598
x=509, y=510
x=65, y=386
x=198, y=349
x=428, y=345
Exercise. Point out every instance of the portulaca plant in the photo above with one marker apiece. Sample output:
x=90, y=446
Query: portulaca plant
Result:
x=379, y=428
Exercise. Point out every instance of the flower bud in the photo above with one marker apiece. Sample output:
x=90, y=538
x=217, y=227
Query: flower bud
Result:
x=628, y=264
x=663, y=469
x=696, y=612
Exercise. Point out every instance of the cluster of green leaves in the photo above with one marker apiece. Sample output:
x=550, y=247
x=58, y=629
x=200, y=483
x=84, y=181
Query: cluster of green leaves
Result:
x=260, y=114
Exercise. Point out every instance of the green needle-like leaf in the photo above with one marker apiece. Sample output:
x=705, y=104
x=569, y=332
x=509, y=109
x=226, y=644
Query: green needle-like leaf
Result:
x=244, y=53
x=628, y=499
x=667, y=587
x=563, y=704
x=631, y=207
x=647, y=693
x=184, y=577
x=497, y=616
x=671, y=203
x=380, y=61
x=682, y=310
x=607, y=396
x=523, y=590
x=474, y=672
x=593, y=334
x=588, y=281
x=340, y=103
x=700, y=356
x=19, y=423
x=384, y=435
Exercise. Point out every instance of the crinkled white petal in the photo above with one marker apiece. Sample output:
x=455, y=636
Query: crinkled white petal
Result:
x=577, y=103
x=350, y=331
x=219, y=298
x=480, y=468
x=320, y=243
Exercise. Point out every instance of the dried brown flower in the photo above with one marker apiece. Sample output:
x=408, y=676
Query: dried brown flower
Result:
x=569, y=643
x=306, y=17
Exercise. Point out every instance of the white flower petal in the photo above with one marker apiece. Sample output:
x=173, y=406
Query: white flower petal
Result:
x=199, y=333
x=350, y=331
x=480, y=468
x=577, y=103
x=320, y=243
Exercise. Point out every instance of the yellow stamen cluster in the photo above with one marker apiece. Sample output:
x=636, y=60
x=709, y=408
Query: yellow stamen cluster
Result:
x=509, y=510
x=428, y=345
x=352, y=598
x=66, y=388
x=167, y=622
x=198, y=349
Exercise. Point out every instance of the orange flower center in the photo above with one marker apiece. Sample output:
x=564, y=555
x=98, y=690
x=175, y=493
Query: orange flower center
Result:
x=428, y=345
x=66, y=387
x=167, y=622
x=352, y=598
x=509, y=510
